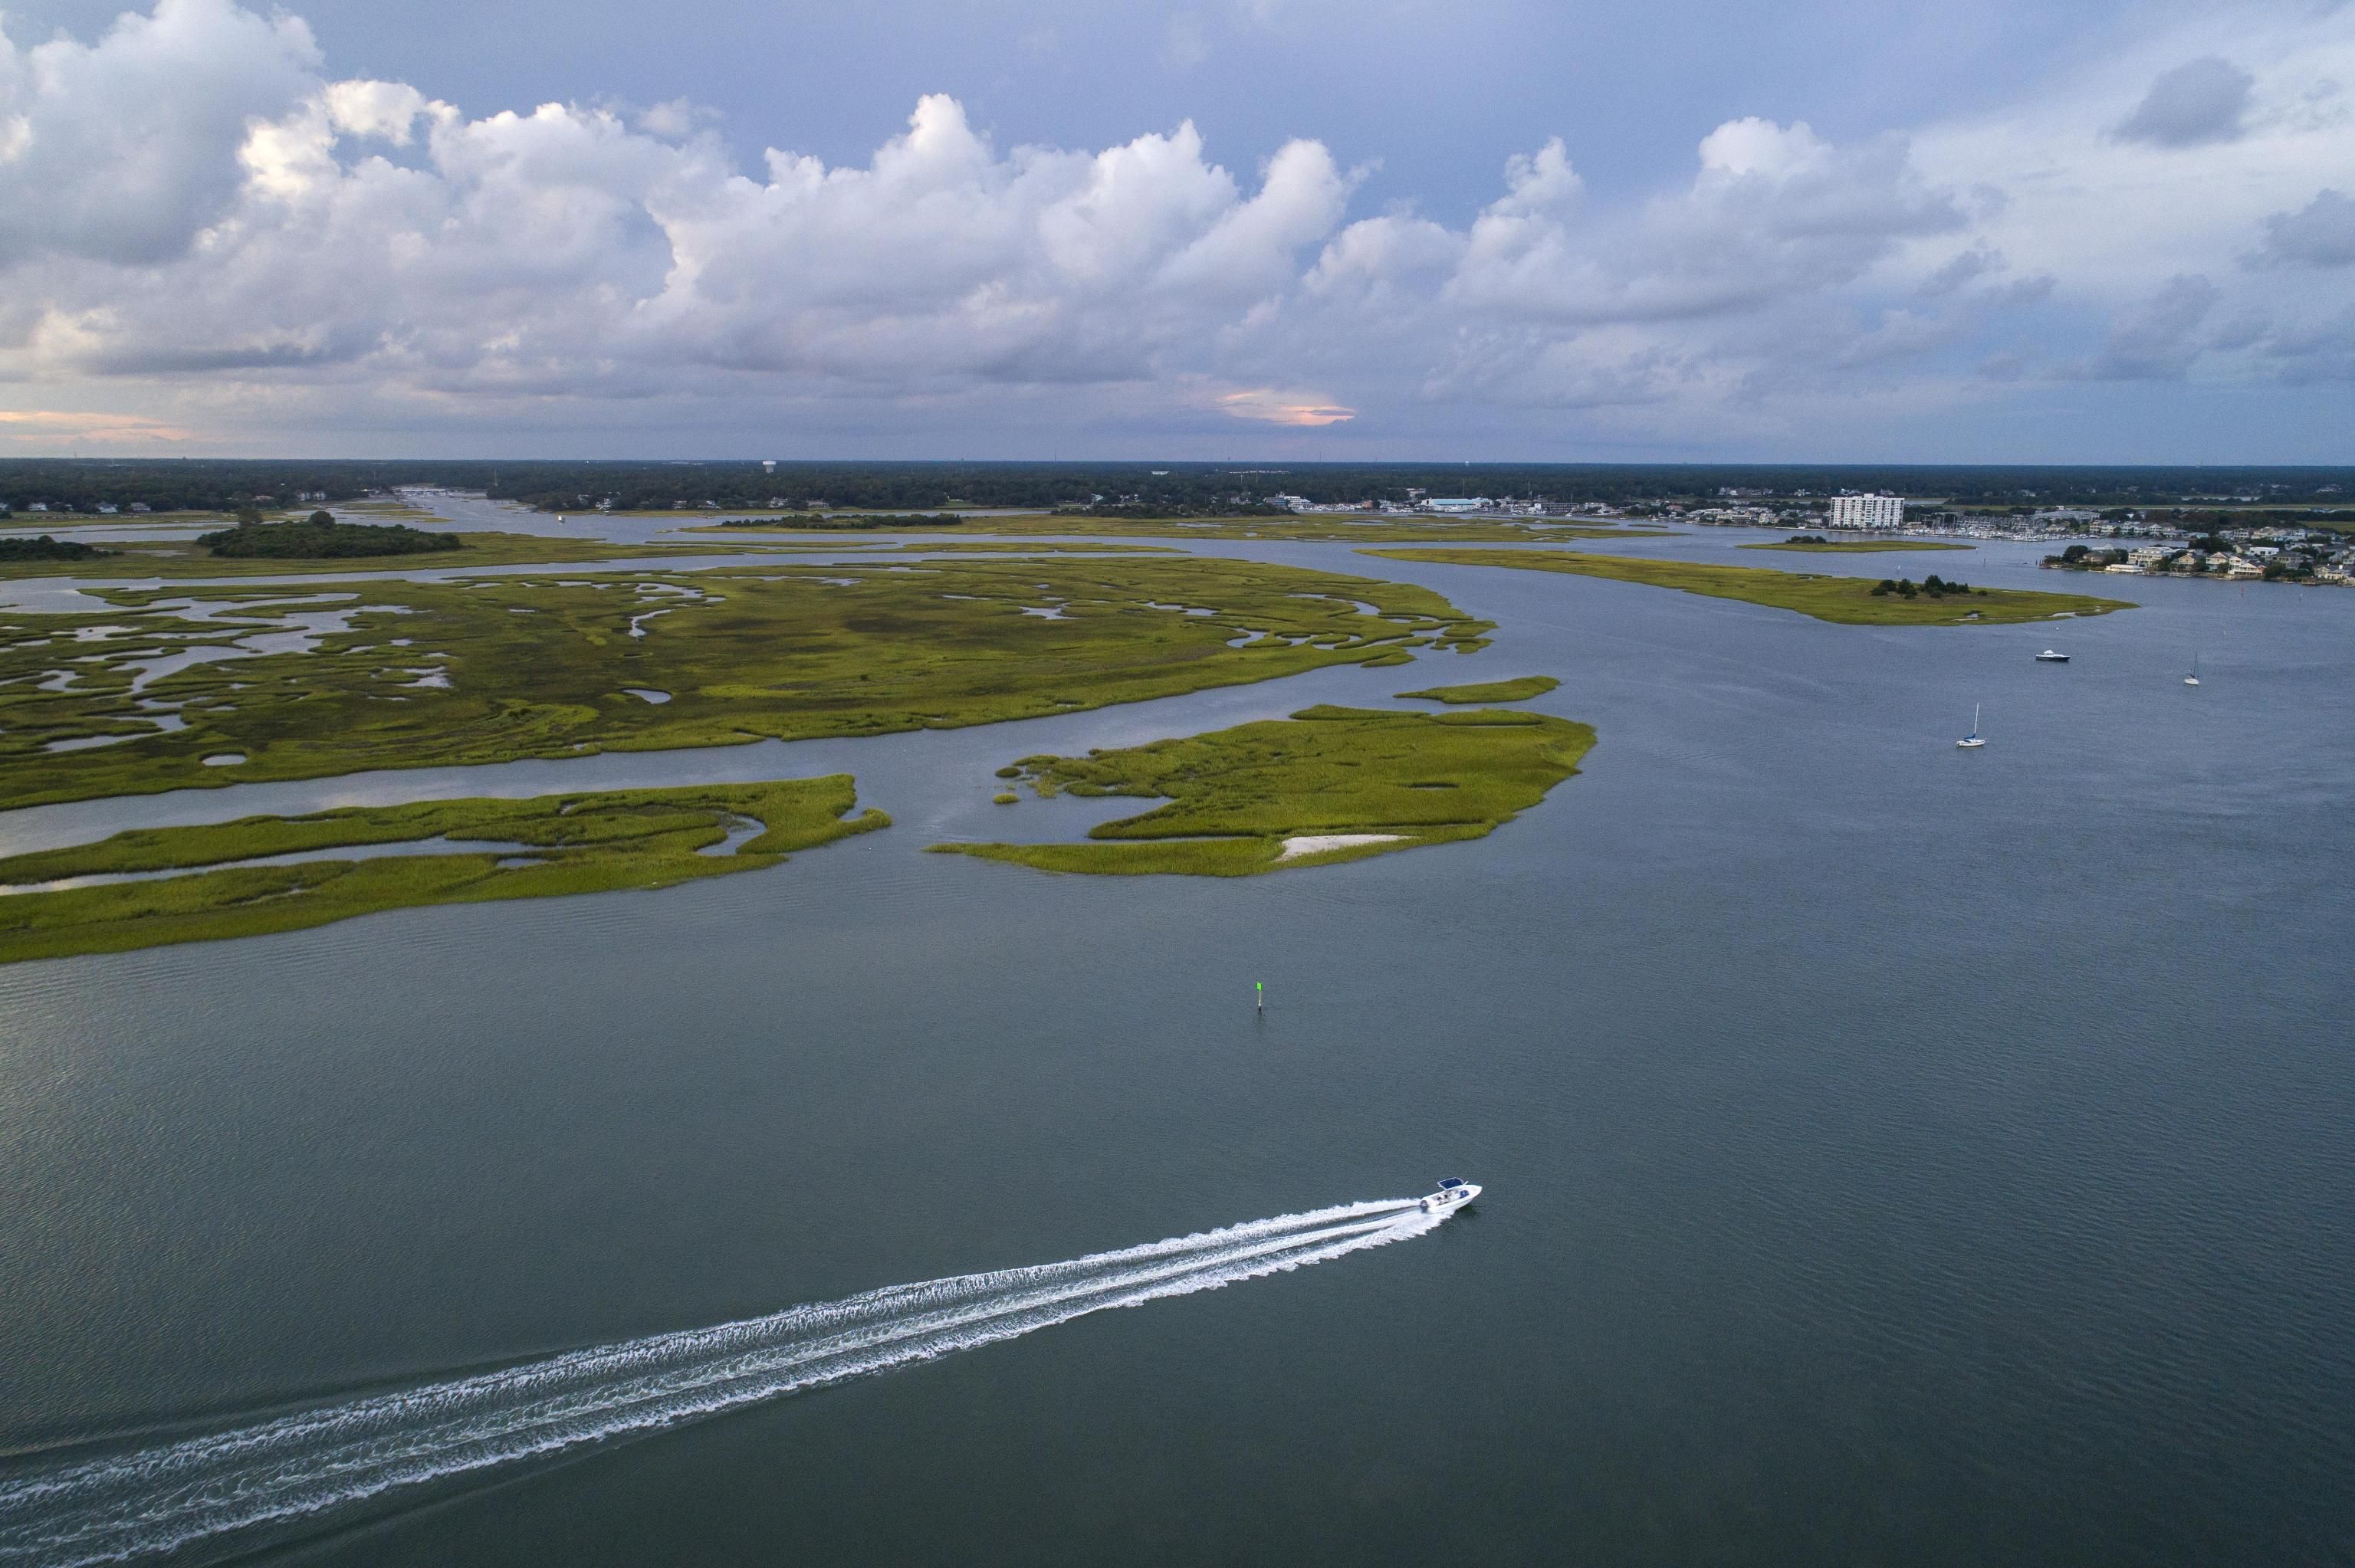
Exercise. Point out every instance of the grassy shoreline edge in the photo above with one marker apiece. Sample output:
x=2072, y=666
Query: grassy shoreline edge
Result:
x=595, y=842
x=1842, y=600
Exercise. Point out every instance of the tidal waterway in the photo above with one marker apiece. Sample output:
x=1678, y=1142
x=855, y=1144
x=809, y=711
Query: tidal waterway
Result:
x=1893, y=1153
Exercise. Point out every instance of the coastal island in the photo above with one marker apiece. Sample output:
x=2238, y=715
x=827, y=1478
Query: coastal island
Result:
x=1327, y=784
x=1515, y=691
x=1849, y=601
x=1819, y=544
x=119, y=893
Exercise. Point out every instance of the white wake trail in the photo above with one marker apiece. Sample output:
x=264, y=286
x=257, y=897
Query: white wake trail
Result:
x=156, y=1500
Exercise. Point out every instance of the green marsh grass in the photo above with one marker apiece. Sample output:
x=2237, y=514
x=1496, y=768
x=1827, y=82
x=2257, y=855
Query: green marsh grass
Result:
x=1322, y=529
x=1518, y=690
x=490, y=549
x=784, y=650
x=595, y=842
x=1849, y=601
x=1235, y=794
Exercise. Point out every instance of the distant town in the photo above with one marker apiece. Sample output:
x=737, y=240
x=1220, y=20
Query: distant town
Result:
x=2183, y=540
x=2187, y=540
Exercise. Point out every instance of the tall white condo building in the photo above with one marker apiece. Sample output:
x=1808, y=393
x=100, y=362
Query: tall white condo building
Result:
x=1868, y=512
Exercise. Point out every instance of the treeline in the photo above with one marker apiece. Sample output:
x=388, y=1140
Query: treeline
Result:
x=1134, y=489
x=177, y=484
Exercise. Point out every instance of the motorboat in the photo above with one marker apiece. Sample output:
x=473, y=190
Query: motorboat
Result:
x=1972, y=742
x=2050, y=657
x=1453, y=1194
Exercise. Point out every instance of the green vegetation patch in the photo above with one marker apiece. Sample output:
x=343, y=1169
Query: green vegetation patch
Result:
x=1366, y=779
x=1036, y=547
x=493, y=669
x=319, y=537
x=1823, y=547
x=1314, y=529
x=599, y=842
x=1934, y=586
x=197, y=559
x=1519, y=690
x=832, y=523
x=1849, y=601
x=42, y=548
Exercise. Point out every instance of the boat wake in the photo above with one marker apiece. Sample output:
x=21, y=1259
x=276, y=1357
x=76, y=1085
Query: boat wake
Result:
x=159, y=1499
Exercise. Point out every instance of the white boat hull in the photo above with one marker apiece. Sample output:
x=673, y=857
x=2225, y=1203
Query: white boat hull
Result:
x=1448, y=1200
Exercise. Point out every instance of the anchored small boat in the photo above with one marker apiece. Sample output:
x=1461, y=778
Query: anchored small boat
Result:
x=1453, y=1194
x=2193, y=678
x=1972, y=741
x=2050, y=657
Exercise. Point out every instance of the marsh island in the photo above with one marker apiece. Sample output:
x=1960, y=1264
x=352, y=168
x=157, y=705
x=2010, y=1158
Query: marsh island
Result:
x=258, y=875
x=1326, y=785
x=1852, y=601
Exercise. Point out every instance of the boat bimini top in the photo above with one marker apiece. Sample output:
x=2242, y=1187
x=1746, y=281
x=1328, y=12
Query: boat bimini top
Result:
x=1453, y=1194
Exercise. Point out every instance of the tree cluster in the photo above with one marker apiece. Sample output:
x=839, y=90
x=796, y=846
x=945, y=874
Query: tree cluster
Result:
x=45, y=548
x=320, y=537
x=2085, y=558
x=1932, y=587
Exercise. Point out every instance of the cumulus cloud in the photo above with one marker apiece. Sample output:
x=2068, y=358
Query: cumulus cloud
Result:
x=123, y=150
x=2319, y=234
x=2197, y=102
x=194, y=205
x=1773, y=211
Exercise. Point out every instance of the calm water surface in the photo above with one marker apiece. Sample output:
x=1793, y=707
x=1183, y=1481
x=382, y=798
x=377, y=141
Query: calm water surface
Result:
x=1894, y=1154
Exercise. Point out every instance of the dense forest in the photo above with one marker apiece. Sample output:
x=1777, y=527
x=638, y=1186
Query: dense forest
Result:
x=1131, y=488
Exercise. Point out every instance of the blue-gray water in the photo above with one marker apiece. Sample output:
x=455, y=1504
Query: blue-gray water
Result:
x=1894, y=1154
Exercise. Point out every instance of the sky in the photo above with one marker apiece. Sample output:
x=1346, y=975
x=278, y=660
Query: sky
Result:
x=1678, y=231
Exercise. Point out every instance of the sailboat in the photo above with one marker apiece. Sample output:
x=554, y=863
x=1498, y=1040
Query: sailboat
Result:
x=1972, y=740
x=2193, y=678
